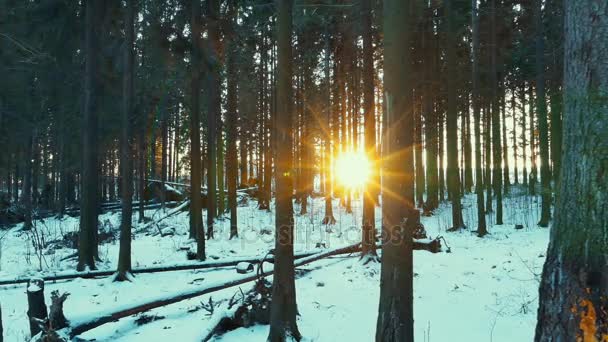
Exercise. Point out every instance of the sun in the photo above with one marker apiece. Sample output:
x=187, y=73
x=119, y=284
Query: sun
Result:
x=352, y=169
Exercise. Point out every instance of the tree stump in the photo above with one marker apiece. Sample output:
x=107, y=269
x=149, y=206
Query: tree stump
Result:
x=36, y=305
x=57, y=319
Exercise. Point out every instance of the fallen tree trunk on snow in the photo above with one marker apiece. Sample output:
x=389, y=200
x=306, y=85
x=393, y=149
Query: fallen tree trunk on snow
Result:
x=169, y=214
x=171, y=268
x=79, y=326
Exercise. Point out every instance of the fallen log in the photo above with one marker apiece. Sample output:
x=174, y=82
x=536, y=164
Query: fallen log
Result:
x=182, y=267
x=169, y=214
x=79, y=326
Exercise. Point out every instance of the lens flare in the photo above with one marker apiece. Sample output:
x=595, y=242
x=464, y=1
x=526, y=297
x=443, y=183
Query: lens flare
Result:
x=352, y=169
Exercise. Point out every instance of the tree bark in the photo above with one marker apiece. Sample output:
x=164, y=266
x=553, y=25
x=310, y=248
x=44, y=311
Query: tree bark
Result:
x=283, y=312
x=87, y=244
x=368, y=241
x=496, y=141
x=231, y=106
x=126, y=148
x=481, y=213
x=213, y=109
x=541, y=110
x=196, y=216
x=453, y=172
x=396, y=312
x=573, y=305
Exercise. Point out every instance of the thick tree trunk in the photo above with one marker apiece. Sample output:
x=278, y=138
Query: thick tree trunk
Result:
x=283, y=312
x=396, y=310
x=573, y=305
x=87, y=244
x=126, y=146
x=196, y=216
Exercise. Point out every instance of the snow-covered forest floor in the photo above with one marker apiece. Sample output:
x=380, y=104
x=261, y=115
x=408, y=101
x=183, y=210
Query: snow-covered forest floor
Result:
x=486, y=289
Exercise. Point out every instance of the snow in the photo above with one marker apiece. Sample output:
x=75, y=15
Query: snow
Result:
x=486, y=289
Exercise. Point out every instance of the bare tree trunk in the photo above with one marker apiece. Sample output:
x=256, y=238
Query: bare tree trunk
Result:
x=514, y=135
x=126, y=148
x=523, y=135
x=213, y=110
x=26, y=188
x=541, y=105
x=481, y=213
x=231, y=106
x=496, y=143
x=396, y=311
x=196, y=216
x=452, y=119
x=87, y=244
x=283, y=311
x=368, y=241
x=329, y=213
x=573, y=305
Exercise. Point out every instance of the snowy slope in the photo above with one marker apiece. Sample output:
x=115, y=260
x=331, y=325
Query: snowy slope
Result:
x=484, y=290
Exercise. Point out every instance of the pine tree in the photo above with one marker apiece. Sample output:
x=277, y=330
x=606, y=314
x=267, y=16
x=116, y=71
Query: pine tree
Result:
x=573, y=304
x=283, y=309
x=396, y=311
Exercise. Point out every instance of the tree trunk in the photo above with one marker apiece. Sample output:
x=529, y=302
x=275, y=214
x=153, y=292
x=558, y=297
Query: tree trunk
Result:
x=533, y=168
x=87, y=244
x=368, y=241
x=231, y=107
x=573, y=305
x=26, y=189
x=523, y=136
x=432, y=177
x=453, y=172
x=196, y=216
x=213, y=110
x=496, y=143
x=283, y=312
x=396, y=310
x=481, y=213
x=514, y=135
x=329, y=213
x=541, y=110
x=126, y=148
